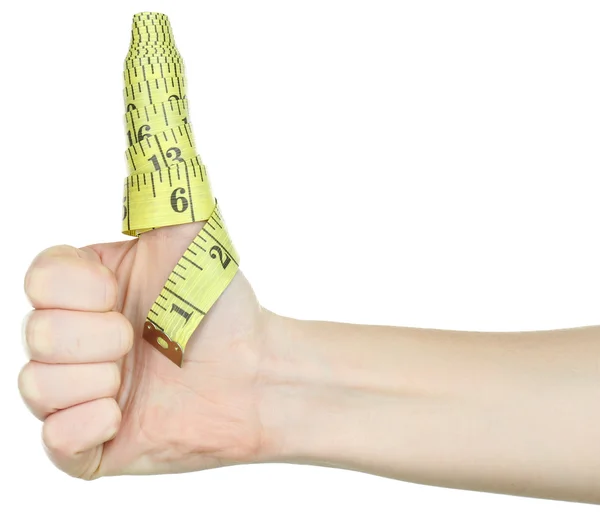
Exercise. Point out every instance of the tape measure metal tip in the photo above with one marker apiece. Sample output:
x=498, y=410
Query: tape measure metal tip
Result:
x=160, y=341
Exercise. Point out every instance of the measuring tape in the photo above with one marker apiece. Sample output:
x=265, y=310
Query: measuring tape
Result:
x=168, y=185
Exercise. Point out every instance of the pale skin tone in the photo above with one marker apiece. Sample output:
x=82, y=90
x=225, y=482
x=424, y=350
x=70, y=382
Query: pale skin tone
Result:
x=515, y=413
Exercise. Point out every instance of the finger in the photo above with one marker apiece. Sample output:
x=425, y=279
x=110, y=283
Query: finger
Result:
x=73, y=437
x=68, y=278
x=49, y=388
x=61, y=336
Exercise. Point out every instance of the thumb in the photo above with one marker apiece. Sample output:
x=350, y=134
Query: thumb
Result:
x=167, y=195
x=163, y=247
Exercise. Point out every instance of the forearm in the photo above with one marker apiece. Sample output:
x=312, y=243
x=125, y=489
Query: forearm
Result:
x=515, y=413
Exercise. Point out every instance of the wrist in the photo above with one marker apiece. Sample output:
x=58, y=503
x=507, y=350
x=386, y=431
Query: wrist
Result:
x=292, y=389
x=280, y=387
x=319, y=391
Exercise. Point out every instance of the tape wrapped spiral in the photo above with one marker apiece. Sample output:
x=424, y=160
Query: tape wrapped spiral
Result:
x=167, y=184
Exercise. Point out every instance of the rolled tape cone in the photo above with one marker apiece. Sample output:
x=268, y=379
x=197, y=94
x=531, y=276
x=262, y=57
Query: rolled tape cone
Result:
x=168, y=185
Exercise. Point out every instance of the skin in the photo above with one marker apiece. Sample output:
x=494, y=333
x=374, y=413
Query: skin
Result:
x=514, y=413
x=111, y=404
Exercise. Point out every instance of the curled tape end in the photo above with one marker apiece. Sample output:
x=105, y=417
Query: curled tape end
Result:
x=161, y=342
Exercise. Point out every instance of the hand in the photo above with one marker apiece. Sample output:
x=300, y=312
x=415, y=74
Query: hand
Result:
x=110, y=402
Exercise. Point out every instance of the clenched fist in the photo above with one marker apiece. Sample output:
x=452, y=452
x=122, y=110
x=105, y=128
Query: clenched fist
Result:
x=111, y=403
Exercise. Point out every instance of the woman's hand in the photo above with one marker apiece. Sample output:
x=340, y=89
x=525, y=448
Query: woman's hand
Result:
x=110, y=402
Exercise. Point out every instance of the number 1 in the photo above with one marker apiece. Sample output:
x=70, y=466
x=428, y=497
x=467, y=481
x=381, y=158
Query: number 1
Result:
x=182, y=312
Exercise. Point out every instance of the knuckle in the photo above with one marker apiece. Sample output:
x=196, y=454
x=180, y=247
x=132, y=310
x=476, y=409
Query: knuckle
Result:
x=38, y=335
x=24, y=336
x=31, y=284
x=52, y=438
x=66, y=264
x=37, y=273
x=28, y=386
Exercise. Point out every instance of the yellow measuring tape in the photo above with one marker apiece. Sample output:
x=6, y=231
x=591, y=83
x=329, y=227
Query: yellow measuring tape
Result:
x=168, y=185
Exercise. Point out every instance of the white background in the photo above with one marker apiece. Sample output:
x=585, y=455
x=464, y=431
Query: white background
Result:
x=455, y=143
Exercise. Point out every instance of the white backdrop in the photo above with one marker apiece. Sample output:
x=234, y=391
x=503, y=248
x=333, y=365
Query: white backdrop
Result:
x=460, y=137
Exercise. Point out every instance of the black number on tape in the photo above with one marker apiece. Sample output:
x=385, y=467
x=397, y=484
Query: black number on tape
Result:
x=140, y=135
x=124, y=208
x=179, y=207
x=219, y=251
x=185, y=314
x=176, y=151
x=154, y=160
